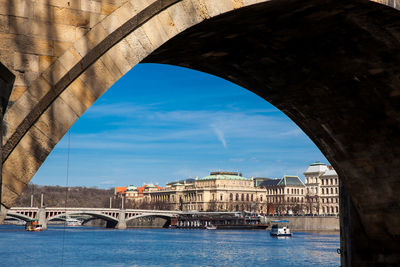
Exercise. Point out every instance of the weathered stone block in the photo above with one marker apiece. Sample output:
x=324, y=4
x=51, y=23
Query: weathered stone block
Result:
x=25, y=78
x=53, y=74
x=37, y=144
x=91, y=6
x=71, y=17
x=132, y=50
x=56, y=120
x=84, y=94
x=39, y=88
x=218, y=7
x=119, y=60
x=139, y=5
x=45, y=62
x=73, y=102
x=180, y=18
x=8, y=197
x=70, y=58
x=22, y=165
x=97, y=78
x=19, y=8
x=26, y=62
x=17, y=92
x=167, y=23
x=155, y=32
x=200, y=9
x=112, y=66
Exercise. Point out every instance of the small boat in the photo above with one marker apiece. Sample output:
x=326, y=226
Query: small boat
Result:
x=280, y=228
x=33, y=226
x=211, y=227
x=73, y=222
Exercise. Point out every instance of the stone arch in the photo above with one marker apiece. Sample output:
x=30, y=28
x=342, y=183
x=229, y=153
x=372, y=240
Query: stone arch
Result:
x=338, y=82
x=19, y=216
x=164, y=216
x=39, y=118
x=94, y=214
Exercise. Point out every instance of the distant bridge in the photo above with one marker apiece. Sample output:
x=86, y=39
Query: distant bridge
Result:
x=117, y=217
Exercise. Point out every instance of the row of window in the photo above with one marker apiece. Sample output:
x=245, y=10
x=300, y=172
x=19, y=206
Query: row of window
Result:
x=242, y=197
x=329, y=191
x=330, y=200
x=330, y=181
x=330, y=209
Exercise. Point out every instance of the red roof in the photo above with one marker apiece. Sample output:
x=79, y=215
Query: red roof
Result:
x=121, y=189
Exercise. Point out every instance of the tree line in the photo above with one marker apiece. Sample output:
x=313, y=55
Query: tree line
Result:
x=59, y=196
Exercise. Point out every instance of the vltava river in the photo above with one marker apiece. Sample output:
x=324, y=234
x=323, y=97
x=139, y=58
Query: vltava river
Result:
x=84, y=246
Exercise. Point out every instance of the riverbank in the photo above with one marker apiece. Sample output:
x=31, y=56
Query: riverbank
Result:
x=309, y=223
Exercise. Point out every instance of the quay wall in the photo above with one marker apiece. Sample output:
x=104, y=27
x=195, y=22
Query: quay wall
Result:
x=309, y=223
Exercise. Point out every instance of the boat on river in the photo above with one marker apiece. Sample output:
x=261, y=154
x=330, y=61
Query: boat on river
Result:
x=211, y=227
x=73, y=222
x=280, y=228
x=33, y=226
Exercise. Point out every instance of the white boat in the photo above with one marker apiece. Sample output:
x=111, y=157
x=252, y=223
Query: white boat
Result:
x=211, y=227
x=72, y=222
x=280, y=228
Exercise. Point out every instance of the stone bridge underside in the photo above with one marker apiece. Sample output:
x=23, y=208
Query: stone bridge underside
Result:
x=333, y=66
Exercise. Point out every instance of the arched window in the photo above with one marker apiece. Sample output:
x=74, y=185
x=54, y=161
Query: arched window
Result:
x=323, y=191
x=242, y=197
x=337, y=209
x=331, y=190
x=288, y=191
x=231, y=196
x=251, y=197
x=261, y=198
x=237, y=197
x=247, y=197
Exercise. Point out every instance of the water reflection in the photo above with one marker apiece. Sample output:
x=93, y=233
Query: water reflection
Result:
x=165, y=247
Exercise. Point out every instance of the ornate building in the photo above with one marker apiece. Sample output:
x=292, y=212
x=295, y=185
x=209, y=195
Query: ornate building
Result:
x=230, y=191
x=220, y=191
x=322, y=189
x=285, y=196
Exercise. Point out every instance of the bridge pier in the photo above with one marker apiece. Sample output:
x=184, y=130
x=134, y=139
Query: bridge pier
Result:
x=42, y=218
x=121, y=220
x=6, y=85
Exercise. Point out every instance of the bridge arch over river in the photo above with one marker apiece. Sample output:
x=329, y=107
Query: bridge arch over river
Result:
x=332, y=66
x=117, y=218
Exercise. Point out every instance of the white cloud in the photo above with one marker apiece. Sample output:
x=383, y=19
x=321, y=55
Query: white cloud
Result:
x=220, y=135
x=108, y=182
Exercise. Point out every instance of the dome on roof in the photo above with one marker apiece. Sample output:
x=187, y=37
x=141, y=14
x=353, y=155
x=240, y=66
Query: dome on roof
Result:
x=131, y=188
x=224, y=176
x=316, y=167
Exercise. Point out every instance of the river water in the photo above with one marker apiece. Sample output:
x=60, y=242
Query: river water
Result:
x=84, y=246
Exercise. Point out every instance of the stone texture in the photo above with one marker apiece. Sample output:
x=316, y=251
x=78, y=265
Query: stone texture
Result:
x=332, y=50
x=313, y=64
x=56, y=120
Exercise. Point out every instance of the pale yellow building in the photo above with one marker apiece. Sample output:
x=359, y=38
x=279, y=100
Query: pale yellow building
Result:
x=219, y=191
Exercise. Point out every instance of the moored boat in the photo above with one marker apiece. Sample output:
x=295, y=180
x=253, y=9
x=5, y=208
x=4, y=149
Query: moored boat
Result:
x=33, y=226
x=211, y=227
x=280, y=228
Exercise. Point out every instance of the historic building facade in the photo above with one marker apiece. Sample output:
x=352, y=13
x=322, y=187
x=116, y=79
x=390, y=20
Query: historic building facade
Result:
x=322, y=189
x=220, y=191
x=230, y=191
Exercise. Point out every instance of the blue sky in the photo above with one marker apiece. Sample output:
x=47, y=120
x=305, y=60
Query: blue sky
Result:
x=161, y=123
